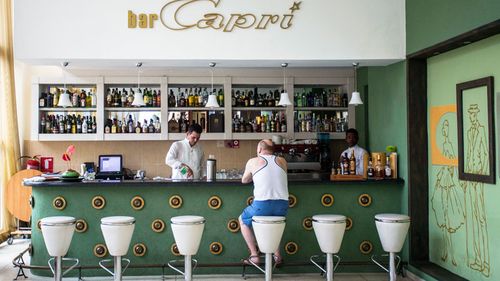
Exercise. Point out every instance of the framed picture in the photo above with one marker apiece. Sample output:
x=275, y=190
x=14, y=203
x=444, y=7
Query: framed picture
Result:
x=476, y=130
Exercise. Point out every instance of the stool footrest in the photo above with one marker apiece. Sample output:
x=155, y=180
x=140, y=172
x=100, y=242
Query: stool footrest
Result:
x=101, y=264
x=77, y=262
x=319, y=266
x=177, y=261
x=385, y=255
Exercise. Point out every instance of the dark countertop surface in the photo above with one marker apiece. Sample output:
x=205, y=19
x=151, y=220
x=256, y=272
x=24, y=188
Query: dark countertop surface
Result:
x=170, y=182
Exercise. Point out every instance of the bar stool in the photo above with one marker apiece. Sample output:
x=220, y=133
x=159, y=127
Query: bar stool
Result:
x=57, y=233
x=187, y=232
x=329, y=230
x=268, y=232
x=117, y=232
x=392, y=230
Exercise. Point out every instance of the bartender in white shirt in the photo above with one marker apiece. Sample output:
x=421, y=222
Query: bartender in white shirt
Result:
x=185, y=156
x=351, y=138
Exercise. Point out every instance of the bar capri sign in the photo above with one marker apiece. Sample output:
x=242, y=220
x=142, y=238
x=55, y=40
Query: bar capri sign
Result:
x=174, y=16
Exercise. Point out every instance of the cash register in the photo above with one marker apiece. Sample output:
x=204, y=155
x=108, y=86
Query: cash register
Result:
x=110, y=167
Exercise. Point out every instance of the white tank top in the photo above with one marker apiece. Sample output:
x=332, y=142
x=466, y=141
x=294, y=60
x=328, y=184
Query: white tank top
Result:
x=270, y=181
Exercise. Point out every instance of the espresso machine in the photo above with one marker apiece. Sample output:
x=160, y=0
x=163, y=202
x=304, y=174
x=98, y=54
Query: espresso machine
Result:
x=301, y=158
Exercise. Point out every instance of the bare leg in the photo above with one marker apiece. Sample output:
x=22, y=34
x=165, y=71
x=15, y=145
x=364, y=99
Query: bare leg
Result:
x=249, y=237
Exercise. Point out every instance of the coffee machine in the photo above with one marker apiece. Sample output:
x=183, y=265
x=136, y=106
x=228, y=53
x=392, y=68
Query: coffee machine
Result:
x=300, y=157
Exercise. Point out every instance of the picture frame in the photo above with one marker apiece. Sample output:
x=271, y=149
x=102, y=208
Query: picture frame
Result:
x=476, y=130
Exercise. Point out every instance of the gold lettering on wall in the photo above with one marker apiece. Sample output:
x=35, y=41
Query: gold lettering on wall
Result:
x=178, y=15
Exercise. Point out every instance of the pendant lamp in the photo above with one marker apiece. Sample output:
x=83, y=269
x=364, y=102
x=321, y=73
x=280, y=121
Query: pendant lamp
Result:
x=355, y=97
x=212, y=98
x=64, y=100
x=284, y=99
x=138, y=97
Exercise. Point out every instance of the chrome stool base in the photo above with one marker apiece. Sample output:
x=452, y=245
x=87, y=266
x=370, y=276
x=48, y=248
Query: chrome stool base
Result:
x=330, y=266
x=188, y=268
x=118, y=271
x=57, y=268
x=392, y=267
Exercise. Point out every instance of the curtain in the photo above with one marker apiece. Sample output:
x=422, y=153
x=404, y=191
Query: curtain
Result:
x=9, y=133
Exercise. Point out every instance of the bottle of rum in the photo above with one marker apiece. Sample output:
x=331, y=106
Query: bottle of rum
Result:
x=345, y=164
x=379, y=169
x=352, y=164
x=370, y=171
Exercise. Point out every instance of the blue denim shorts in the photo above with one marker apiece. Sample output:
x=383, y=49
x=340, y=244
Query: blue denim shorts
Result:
x=264, y=208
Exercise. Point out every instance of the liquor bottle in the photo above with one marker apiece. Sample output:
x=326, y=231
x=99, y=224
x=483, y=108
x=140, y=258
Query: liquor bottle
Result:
x=68, y=125
x=62, y=125
x=73, y=124
x=123, y=98
x=352, y=164
x=220, y=97
x=74, y=100
x=109, y=98
x=130, y=97
x=88, y=99
x=89, y=125
x=84, y=125
x=130, y=124
x=182, y=99
x=107, y=128
x=94, y=125
x=56, y=97
x=345, y=164
x=379, y=169
x=138, y=128
x=155, y=99
x=145, y=127
x=171, y=99
x=116, y=98
x=173, y=125
x=55, y=125
x=42, y=100
x=369, y=170
x=203, y=123
x=83, y=99
x=191, y=98
x=204, y=95
x=78, y=125
x=158, y=99
x=42, y=125
x=388, y=170
x=151, y=127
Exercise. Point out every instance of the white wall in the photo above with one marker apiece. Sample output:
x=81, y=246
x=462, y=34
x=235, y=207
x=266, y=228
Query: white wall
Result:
x=324, y=33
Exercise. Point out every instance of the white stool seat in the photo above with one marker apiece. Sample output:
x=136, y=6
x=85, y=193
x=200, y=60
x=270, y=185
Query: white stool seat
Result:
x=57, y=233
x=268, y=231
x=117, y=232
x=187, y=231
x=392, y=230
x=329, y=230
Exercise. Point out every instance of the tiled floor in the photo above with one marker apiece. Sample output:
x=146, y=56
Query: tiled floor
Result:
x=8, y=272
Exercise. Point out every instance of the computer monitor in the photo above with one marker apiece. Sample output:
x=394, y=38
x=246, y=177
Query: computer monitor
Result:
x=110, y=164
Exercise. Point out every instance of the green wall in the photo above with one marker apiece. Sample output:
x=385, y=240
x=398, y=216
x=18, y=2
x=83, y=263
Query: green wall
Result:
x=429, y=21
x=386, y=102
x=454, y=226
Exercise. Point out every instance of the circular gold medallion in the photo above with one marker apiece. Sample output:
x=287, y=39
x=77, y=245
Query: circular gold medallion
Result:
x=291, y=248
x=98, y=202
x=158, y=225
x=139, y=249
x=292, y=201
x=348, y=224
x=233, y=225
x=175, y=201
x=249, y=200
x=137, y=203
x=215, y=248
x=365, y=247
x=100, y=250
x=214, y=202
x=365, y=200
x=327, y=200
x=59, y=203
x=81, y=226
x=174, y=250
x=307, y=223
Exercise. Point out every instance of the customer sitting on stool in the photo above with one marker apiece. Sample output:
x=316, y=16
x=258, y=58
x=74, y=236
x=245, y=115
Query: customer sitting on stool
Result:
x=269, y=175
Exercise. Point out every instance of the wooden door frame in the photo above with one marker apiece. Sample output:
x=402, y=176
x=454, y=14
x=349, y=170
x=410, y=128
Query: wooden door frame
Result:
x=418, y=168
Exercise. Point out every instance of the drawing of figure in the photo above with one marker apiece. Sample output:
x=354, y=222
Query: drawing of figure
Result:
x=478, y=257
x=447, y=201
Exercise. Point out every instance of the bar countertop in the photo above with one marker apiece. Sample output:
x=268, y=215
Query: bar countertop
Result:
x=229, y=182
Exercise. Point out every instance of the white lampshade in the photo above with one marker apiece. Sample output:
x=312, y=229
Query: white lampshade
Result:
x=64, y=100
x=212, y=101
x=284, y=99
x=138, y=99
x=355, y=99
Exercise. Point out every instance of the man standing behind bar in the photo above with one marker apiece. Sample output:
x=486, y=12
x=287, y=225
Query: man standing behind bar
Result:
x=269, y=175
x=185, y=156
x=352, y=138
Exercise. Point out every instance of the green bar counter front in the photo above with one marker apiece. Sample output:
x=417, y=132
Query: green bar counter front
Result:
x=222, y=248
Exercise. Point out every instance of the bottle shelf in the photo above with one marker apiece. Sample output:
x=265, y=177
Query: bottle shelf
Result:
x=194, y=108
x=68, y=109
x=204, y=136
x=68, y=137
x=314, y=135
x=132, y=109
x=320, y=108
x=275, y=108
x=253, y=136
x=132, y=137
